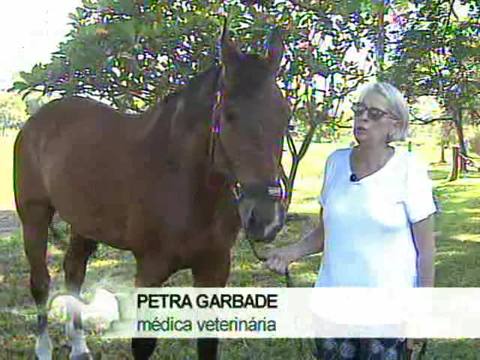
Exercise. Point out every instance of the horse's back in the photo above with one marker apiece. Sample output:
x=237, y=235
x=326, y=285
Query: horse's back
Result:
x=76, y=116
x=75, y=154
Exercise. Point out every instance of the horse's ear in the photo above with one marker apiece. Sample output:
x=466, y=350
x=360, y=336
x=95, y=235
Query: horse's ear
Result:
x=229, y=53
x=275, y=49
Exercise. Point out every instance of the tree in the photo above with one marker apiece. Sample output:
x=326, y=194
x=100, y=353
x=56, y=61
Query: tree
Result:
x=437, y=53
x=445, y=138
x=319, y=74
x=13, y=111
x=34, y=102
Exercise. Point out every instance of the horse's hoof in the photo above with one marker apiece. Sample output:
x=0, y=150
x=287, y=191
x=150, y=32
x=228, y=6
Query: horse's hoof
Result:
x=82, y=356
x=43, y=356
x=43, y=347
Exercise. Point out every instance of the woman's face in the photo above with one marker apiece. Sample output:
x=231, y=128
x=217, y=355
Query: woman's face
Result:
x=373, y=121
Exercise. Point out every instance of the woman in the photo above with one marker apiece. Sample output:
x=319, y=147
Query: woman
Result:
x=376, y=224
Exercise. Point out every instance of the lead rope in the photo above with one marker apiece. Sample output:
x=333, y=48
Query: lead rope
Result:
x=289, y=283
x=262, y=259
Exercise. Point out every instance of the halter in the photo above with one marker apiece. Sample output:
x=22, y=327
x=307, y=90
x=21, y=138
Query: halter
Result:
x=274, y=192
x=271, y=191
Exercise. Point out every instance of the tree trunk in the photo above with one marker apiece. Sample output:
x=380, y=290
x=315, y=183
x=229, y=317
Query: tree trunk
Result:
x=289, y=180
x=456, y=164
x=442, y=153
x=458, y=121
x=461, y=138
x=313, y=120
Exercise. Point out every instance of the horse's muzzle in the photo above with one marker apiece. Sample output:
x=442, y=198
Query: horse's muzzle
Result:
x=262, y=220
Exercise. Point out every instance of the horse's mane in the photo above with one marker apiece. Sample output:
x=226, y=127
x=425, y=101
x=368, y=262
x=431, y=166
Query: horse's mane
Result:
x=193, y=84
x=166, y=106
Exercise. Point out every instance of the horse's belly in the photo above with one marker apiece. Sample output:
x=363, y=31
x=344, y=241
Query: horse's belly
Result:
x=97, y=228
x=92, y=202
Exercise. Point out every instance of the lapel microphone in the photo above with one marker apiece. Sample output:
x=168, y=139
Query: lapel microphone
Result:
x=354, y=178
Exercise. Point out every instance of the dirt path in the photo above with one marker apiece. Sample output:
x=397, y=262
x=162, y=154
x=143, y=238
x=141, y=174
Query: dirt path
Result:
x=9, y=222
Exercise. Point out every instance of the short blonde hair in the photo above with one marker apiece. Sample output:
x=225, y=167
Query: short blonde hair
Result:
x=396, y=102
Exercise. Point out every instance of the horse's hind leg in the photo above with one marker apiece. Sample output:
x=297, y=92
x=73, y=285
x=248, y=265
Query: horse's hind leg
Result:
x=36, y=217
x=75, y=264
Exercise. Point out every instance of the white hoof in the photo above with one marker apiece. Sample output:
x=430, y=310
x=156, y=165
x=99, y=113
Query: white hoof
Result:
x=84, y=356
x=78, y=343
x=43, y=347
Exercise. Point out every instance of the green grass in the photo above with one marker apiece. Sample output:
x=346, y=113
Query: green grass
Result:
x=457, y=264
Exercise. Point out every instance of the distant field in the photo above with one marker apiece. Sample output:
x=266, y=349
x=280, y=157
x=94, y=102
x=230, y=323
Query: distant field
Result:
x=6, y=179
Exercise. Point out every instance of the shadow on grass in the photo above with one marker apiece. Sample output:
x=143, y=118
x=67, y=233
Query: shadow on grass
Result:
x=9, y=223
x=247, y=270
x=439, y=174
x=458, y=246
x=457, y=264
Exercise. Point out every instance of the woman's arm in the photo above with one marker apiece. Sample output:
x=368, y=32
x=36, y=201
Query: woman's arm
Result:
x=279, y=259
x=425, y=243
x=311, y=243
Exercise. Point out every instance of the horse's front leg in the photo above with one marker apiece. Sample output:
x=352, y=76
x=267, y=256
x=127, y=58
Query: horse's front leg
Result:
x=75, y=264
x=211, y=271
x=152, y=271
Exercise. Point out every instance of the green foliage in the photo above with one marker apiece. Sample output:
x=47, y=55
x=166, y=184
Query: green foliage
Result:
x=13, y=111
x=34, y=103
x=128, y=53
x=131, y=53
x=475, y=143
x=436, y=52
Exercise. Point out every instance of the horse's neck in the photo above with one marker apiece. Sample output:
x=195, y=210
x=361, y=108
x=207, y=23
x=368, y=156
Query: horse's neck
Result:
x=148, y=124
x=178, y=131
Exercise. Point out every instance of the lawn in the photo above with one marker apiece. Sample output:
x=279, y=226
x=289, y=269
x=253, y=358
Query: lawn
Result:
x=457, y=264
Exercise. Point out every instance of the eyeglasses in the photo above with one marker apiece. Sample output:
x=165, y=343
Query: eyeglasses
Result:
x=373, y=113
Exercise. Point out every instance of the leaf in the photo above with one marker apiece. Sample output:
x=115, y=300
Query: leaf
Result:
x=19, y=86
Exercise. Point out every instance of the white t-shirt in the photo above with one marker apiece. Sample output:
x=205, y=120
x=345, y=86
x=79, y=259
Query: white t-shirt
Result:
x=368, y=239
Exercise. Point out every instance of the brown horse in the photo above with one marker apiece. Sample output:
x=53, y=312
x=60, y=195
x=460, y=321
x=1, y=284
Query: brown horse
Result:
x=158, y=184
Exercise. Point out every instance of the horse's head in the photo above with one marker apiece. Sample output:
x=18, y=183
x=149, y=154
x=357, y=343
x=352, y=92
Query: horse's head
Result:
x=253, y=117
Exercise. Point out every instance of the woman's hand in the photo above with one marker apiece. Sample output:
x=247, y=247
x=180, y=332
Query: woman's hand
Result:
x=279, y=259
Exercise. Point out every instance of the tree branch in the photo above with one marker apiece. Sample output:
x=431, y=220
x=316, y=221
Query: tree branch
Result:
x=353, y=88
x=291, y=145
x=425, y=122
x=127, y=90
